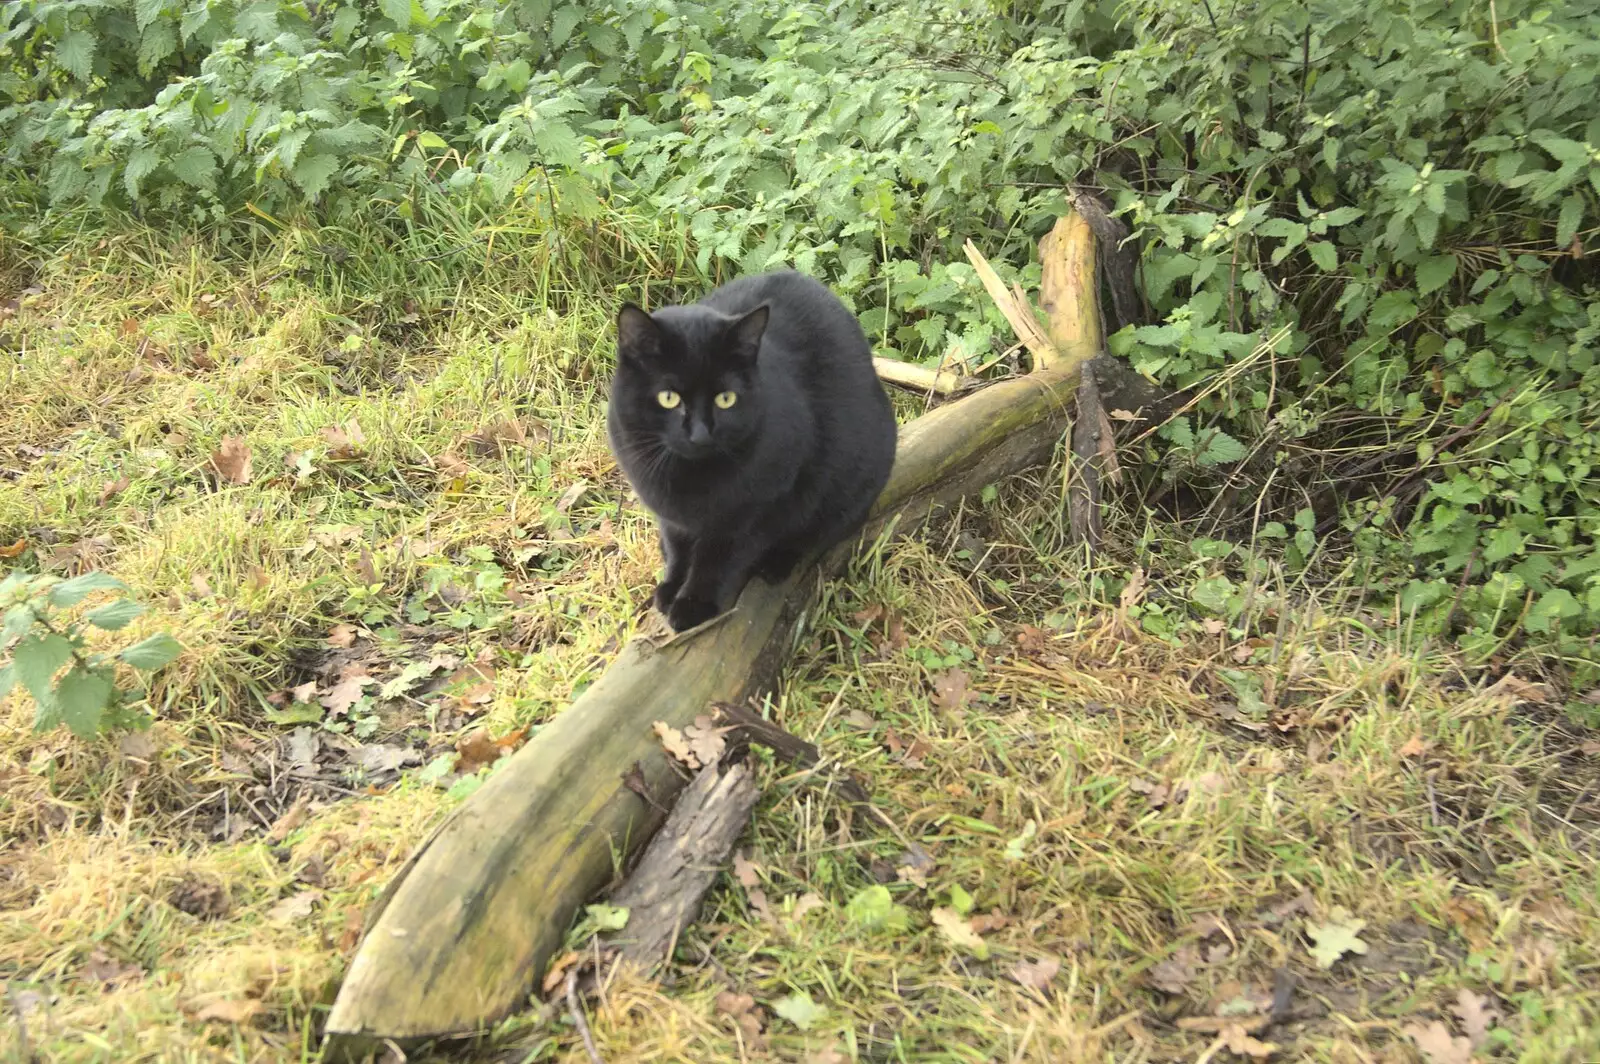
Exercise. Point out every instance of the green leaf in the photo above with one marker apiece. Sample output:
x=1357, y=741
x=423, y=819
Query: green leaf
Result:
x=608, y=917
x=1342, y=216
x=75, y=53
x=8, y=680
x=35, y=662
x=1219, y=449
x=147, y=11
x=152, y=653
x=1553, y=607
x=398, y=11
x=432, y=141
x=142, y=162
x=1435, y=272
x=558, y=145
x=71, y=592
x=562, y=25
x=298, y=713
x=83, y=697
x=875, y=908
x=195, y=167
x=114, y=616
x=1570, y=218
x=1017, y=847
x=800, y=1010
x=960, y=900
x=1503, y=544
x=1324, y=254
x=1335, y=938
x=313, y=172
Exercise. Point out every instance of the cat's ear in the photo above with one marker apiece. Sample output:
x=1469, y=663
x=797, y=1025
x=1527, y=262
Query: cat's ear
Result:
x=638, y=335
x=745, y=334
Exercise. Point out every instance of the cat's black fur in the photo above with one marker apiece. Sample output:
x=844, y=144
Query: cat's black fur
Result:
x=790, y=468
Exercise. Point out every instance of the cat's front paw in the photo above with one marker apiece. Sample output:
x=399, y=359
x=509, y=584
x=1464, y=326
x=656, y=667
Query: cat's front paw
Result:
x=687, y=611
x=665, y=593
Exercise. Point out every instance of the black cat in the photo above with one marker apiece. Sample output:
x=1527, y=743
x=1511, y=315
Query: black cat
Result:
x=752, y=424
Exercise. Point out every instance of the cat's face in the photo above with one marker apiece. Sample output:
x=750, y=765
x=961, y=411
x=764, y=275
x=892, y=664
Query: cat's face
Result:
x=686, y=379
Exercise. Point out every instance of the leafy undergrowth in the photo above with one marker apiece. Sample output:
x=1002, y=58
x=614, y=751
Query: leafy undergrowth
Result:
x=392, y=543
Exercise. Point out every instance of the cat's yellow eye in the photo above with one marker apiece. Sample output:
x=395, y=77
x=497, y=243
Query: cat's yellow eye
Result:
x=668, y=399
x=725, y=400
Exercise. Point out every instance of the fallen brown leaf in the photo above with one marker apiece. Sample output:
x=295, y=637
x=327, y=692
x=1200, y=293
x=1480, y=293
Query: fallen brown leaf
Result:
x=705, y=739
x=572, y=496
x=741, y=1008
x=984, y=923
x=673, y=741
x=806, y=903
x=355, y=919
x=488, y=440
x=1173, y=974
x=366, y=570
x=1133, y=590
x=257, y=579
x=1219, y=1024
x=112, y=488
x=860, y=719
x=342, y=637
x=296, y=906
x=1476, y=1014
x=478, y=749
x=1438, y=1044
x=557, y=971
x=239, y=1011
x=1240, y=1043
x=232, y=460
x=1036, y=974
x=346, y=693
x=1415, y=746
x=291, y=819
x=746, y=871
x=305, y=692
x=950, y=691
x=106, y=970
x=344, y=441
x=14, y=549
x=451, y=465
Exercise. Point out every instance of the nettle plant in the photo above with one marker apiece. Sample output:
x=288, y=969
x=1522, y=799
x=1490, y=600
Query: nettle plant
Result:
x=49, y=657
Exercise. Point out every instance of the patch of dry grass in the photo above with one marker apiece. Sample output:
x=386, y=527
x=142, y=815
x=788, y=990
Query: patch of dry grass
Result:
x=1157, y=802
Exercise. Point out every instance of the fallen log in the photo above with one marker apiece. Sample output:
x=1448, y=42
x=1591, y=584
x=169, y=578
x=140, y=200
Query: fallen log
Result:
x=472, y=919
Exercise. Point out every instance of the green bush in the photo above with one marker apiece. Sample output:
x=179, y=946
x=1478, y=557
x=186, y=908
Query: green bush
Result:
x=1364, y=225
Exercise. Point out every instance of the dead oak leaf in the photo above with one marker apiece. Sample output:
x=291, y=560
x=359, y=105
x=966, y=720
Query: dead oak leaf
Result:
x=344, y=441
x=746, y=871
x=478, y=749
x=112, y=488
x=1133, y=590
x=1438, y=1044
x=342, y=636
x=742, y=1010
x=291, y=819
x=1038, y=974
x=346, y=693
x=1241, y=1043
x=950, y=691
x=1172, y=975
x=231, y=460
x=705, y=739
x=295, y=907
x=1476, y=1014
x=673, y=741
x=955, y=927
x=1415, y=746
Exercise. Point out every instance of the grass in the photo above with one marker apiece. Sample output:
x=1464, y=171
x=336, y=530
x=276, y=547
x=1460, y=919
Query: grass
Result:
x=1164, y=802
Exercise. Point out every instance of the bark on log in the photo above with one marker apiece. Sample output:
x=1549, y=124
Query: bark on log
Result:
x=473, y=918
x=664, y=892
